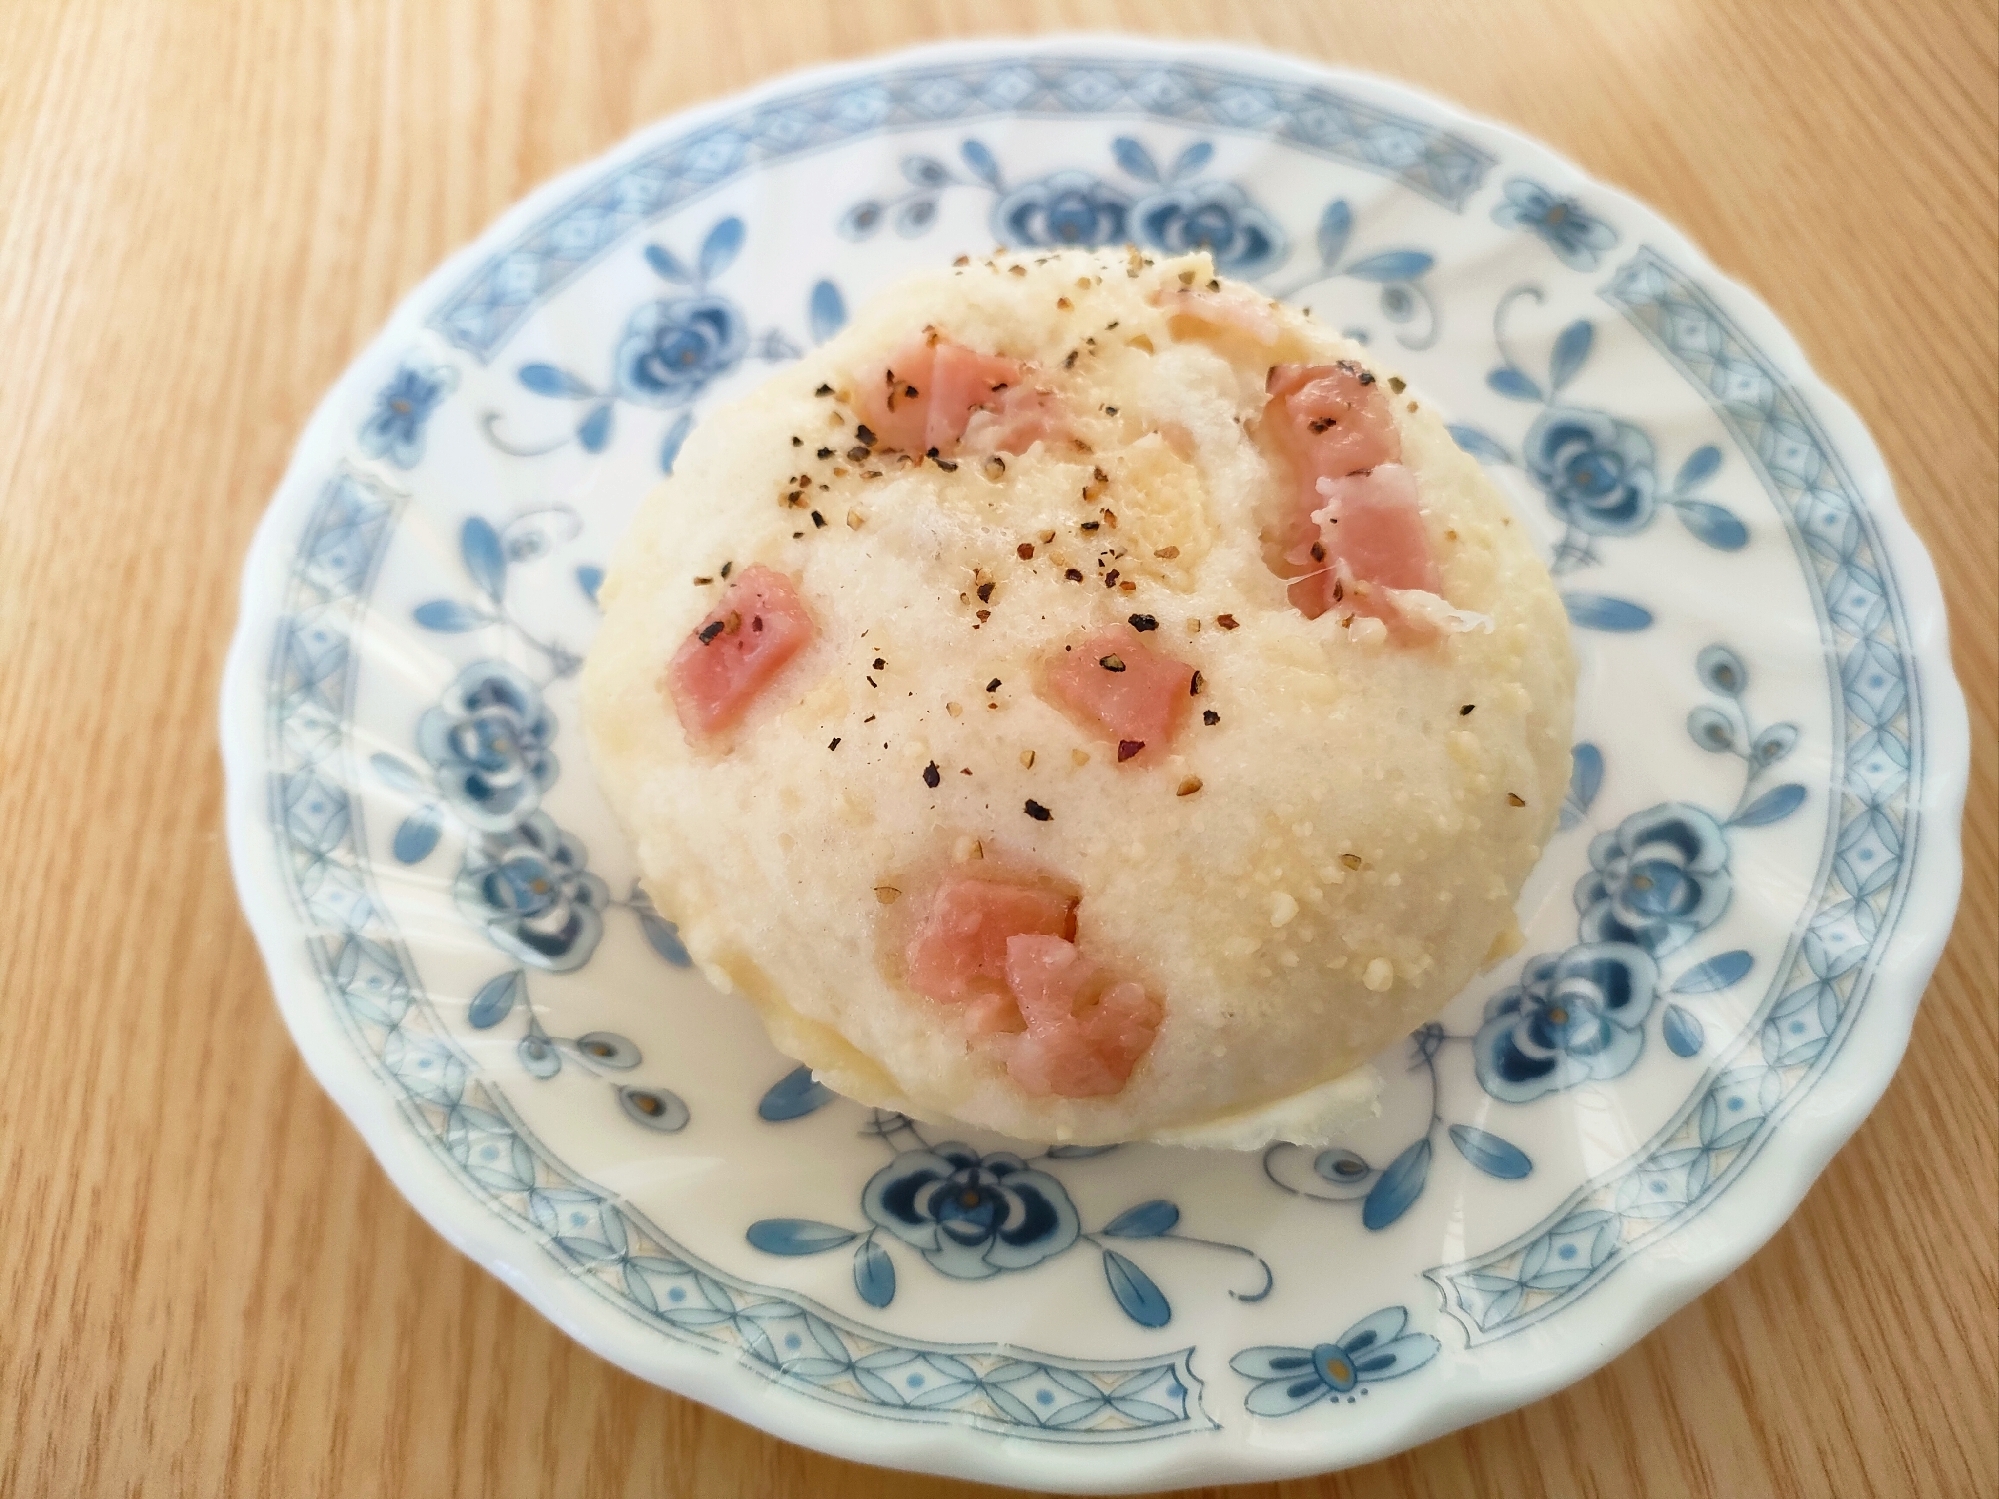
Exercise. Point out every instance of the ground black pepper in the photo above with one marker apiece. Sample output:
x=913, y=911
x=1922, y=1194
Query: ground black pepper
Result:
x=1038, y=812
x=1142, y=623
x=931, y=775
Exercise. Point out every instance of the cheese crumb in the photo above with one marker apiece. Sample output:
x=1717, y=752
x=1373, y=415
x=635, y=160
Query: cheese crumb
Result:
x=1379, y=976
x=1283, y=906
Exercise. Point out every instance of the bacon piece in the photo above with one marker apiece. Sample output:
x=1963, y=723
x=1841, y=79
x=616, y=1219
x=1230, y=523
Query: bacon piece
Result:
x=1123, y=690
x=1228, y=312
x=1352, y=534
x=1086, y=1030
x=959, y=952
x=955, y=389
x=732, y=656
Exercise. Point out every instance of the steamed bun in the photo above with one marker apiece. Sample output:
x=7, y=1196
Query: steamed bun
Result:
x=996, y=703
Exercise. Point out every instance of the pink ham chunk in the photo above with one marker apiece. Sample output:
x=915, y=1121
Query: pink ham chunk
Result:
x=959, y=954
x=1225, y=312
x=725, y=665
x=1371, y=543
x=1353, y=532
x=1086, y=1030
x=1120, y=688
x=931, y=393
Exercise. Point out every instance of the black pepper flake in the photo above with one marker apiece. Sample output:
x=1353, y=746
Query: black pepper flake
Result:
x=1070, y=362
x=985, y=593
x=824, y=390
x=1038, y=812
x=709, y=631
x=910, y=391
x=727, y=568
x=757, y=623
x=1072, y=575
x=993, y=685
x=1110, y=578
x=1110, y=411
x=1515, y=799
x=1318, y=551
x=1466, y=709
x=880, y=662
x=1226, y=621
x=1024, y=551
x=1210, y=717
x=1142, y=623
x=871, y=682
x=1194, y=685
x=797, y=441
x=857, y=453
x=704, y=582
x=818, y=520
x=1367, y=377
x=1319, y=424
x=835, y=744
x=1111, y=663
x=931, y=775
x=865, y=434
x=825, y=452
x=1126, y=748
x=949, y=465
x=1089, y=525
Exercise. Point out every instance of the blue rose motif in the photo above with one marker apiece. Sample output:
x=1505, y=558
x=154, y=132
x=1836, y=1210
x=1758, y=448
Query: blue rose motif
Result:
x=1217, y=217
x=1574, y=1017
x=673, y=348
x=1374, y=1348
x=394, y=429
x=1659, y=879
x=487, y=742
x=1595, y=470
x=1577, y=237
x=1064, y=208
x=971, y=1216
x=528, y=887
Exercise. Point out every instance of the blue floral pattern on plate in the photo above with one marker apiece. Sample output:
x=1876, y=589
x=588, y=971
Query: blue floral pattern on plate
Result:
x=504, y=1011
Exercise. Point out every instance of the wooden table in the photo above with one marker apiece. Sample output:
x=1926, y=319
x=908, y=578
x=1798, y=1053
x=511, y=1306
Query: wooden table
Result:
x=207, y=1287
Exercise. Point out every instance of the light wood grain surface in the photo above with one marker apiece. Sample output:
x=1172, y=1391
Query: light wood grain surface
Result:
x=206, y=208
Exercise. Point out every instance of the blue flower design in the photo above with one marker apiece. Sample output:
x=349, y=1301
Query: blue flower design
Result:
x=1577, y=237
x=1574, y=1017
x=1217, y=217
x=1595, y=470
x=971, y=1216
x=1659, y=879
x=487, y=742
x=394, y=429
x=672, y=349
x=530, y=890
x=1069, y=207
x=1374, y=1348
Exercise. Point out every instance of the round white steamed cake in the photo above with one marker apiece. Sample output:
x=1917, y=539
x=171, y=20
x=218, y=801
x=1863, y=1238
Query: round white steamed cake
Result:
x=1328, y=849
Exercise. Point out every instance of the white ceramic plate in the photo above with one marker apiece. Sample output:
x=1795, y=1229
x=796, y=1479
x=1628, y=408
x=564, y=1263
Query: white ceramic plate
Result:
x=1725, y=945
